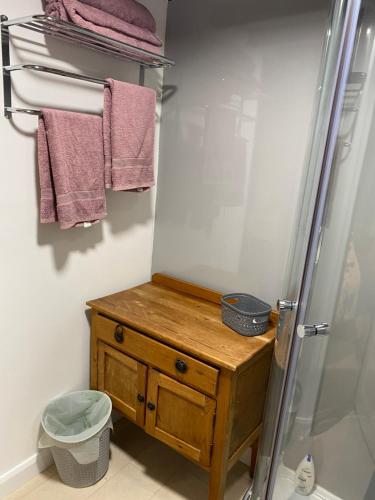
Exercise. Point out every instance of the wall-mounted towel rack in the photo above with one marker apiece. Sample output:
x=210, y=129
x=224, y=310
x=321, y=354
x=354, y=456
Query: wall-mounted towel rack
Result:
x=55, y=71
x=47, y=69
x=71, y=33
x=10, y=110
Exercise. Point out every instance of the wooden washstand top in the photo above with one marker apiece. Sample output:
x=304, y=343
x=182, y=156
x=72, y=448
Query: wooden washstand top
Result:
x=185, y=316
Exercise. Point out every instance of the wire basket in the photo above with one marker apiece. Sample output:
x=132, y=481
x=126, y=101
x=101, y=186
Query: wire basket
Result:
x=245, y=314
x=79, y=475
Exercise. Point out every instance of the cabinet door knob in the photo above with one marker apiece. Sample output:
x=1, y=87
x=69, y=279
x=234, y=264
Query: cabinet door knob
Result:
x=181, y=366
x=141, y=398
x=119, y=334
x=151, y=406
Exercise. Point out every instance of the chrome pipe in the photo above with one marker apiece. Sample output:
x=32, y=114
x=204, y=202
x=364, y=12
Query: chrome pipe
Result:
x=8, y=109
x=7, y=80
x=55, y=71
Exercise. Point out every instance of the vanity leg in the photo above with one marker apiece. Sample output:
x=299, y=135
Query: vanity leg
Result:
x=217, y=486
x=254, y=453
x=222, y=435
x=93, y=356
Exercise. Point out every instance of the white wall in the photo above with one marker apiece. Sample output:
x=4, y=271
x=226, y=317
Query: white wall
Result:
x=48, y=274
x=234, y=136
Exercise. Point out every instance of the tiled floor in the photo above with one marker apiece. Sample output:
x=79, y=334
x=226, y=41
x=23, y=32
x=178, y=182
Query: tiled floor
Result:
x=140, y=468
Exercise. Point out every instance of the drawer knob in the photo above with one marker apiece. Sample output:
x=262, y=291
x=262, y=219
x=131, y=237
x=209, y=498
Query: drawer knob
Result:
x=119, y=334
x=181, y=366
x=151, y=406
x=141, y=398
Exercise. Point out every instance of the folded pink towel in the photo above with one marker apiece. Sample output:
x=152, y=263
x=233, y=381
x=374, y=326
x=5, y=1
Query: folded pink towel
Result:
x=103, y=23
x=128, y=131
x=71, y=168
x=130, y=11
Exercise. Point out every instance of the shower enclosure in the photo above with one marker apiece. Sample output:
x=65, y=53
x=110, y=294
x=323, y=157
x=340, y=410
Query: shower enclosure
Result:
x=322, y=390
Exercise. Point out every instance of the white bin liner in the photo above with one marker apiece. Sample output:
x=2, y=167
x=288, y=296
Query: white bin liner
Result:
x=76, y=421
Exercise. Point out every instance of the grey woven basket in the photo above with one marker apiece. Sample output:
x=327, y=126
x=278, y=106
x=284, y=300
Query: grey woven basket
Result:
x=79, y=475
x=245, y=314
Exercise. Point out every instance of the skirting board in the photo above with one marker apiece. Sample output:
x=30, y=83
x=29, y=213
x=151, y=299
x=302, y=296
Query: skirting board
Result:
x=24, y=472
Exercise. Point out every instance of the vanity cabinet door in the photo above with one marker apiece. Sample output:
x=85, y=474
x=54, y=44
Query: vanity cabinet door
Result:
x=180, y=417
x=124, y=380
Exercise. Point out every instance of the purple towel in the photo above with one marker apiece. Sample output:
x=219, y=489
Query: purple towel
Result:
x=71, y=168
x=128, y=130
x=101, y=22
x=130, y=11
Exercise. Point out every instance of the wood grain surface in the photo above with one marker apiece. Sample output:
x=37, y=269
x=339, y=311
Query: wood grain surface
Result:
x=185, y=321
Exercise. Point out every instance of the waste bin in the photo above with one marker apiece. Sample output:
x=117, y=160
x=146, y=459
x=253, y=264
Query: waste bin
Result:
x=77, y=428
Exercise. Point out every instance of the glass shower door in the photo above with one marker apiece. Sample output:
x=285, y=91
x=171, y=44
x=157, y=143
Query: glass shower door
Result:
x=316, y=265
x=331, y=414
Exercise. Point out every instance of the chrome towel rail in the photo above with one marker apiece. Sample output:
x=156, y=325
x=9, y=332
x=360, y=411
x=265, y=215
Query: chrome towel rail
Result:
x=9, y=110
x=46, y=69
x=69, y=32
x=55, y=71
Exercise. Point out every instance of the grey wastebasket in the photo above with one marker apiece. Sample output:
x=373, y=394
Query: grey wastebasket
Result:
x=77, y=428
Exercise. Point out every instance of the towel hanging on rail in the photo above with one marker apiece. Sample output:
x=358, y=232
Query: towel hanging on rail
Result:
x=54, y=71
x=128, y=131
x=71, y=168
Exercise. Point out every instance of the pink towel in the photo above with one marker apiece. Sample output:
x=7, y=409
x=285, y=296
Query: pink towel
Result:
x=130, y=11
x=71, y=168
x=101, y=22
x=128, y=130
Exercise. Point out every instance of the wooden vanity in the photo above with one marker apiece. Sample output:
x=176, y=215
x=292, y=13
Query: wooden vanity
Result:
x=169, y=364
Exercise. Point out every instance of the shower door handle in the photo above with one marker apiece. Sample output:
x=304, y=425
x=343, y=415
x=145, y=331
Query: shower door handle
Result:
x=312, y=330
x=284, y=306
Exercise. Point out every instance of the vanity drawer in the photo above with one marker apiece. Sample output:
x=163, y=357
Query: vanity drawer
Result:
x=183, y=368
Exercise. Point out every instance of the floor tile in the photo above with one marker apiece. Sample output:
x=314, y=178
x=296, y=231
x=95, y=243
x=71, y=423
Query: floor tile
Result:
x=183, y=487
x=140, y=468
x=131, y=440
x=33, y=484
x=49, y=486
x=188, y=485
x=54, y=489
x=160, y=461
x=130, y=482
x=190, y=468
x=118, y=459
x=238, y=481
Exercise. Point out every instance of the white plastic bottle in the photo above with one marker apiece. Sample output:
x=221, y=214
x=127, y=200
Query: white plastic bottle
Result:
x=305, y=476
